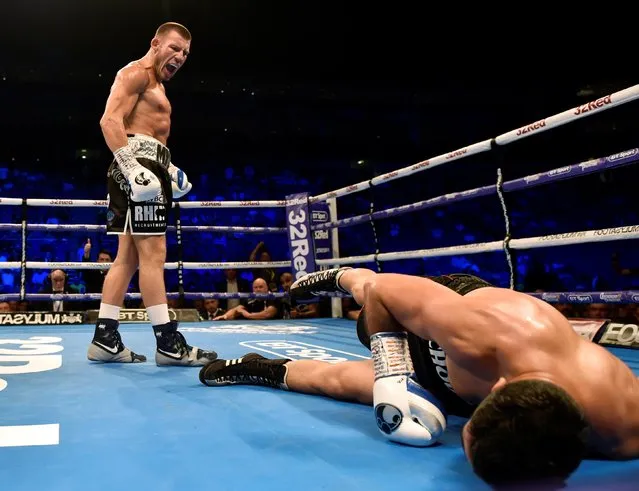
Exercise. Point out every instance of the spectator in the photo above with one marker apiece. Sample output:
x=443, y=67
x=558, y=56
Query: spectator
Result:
x=94, y=278
x=260, y=253
x=56, y=282
x=256, y=308
x=233, y=284
x=290, y=308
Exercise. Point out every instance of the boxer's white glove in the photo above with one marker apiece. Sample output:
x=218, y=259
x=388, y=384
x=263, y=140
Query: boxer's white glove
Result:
x=180, y=184
x=405, y=412
x=144, y=184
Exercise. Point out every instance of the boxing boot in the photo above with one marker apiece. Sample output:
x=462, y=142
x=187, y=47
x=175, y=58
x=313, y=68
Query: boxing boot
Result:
x=250, y=369
x=173, y=350
x=107, y=347
x=313, y=284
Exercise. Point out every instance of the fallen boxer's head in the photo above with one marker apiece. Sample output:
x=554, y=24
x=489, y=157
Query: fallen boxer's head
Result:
x=526, y=431
x=170, y=46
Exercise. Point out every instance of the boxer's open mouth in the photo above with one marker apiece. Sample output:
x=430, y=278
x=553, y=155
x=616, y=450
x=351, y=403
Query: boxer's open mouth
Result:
x=172, y=68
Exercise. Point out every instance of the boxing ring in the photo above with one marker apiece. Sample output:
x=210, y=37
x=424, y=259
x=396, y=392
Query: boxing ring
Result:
x=68, y=424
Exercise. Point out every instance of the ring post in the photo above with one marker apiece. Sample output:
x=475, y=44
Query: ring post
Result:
x=23, y=255
x=336, y=302
x=180, y=253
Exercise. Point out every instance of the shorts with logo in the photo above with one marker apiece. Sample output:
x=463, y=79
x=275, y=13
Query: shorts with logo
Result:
x=429, y=360
x=148, y=218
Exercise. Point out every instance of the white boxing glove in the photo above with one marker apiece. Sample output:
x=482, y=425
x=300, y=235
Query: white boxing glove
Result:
x=180, y=184
x=405, y=412
x=144, y=184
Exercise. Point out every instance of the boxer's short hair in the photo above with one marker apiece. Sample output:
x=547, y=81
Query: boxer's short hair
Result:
x=527, y=431
x=173, y=26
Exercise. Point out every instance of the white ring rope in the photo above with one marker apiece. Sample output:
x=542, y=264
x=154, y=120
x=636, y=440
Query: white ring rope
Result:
x=171, y=265
x=54, y=227
x=569, y=238
x=603, y=103
x=601, y=235
x=93, y=203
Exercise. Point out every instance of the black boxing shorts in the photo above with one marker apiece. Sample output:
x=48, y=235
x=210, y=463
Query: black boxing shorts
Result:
x=148, y=218
x=429, y=360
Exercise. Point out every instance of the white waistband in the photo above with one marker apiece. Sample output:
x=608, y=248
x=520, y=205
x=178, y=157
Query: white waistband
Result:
x=147, y=147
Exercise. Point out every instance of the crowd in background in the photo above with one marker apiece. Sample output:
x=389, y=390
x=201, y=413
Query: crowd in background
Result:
x=292, y=139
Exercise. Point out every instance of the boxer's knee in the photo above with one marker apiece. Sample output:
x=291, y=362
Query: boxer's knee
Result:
x=151, y=250
x=127, y=253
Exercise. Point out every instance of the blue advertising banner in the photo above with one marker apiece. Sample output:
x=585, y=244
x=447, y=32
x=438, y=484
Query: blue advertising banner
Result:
x=321, y=238
x=300, y=241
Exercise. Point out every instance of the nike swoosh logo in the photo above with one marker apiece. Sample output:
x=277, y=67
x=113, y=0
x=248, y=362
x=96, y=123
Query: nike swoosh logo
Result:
x=110, y=349
x=175, y=356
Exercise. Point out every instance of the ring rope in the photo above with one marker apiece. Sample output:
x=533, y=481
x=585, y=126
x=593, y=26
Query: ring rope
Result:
x=170, y=265
x=23, y=252
x=576, y=297
x=180, y=249
x=567, y=172
x=8, y=297
x=599, y=105
x=51, y=227
x=568, y=238
x=92, y=203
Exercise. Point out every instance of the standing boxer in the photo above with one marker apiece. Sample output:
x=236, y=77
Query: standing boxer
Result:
x=142, y=183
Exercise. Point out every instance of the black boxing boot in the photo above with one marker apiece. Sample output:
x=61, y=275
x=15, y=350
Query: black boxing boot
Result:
x=314, y=284
x=251, y=369
x=107, y=345
x=173, y=350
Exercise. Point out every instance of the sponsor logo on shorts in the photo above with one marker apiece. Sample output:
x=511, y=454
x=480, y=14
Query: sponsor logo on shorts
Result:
x=296, y=350
x=142, y=180
x=149, y=213
x=120, y=180
x=438, y=357
x=253, y=329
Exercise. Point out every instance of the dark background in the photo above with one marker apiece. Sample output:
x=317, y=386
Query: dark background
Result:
x=279, y=97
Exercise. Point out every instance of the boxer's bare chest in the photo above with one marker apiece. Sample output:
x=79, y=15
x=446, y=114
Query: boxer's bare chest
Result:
x=152, y=114
x=154, y=100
